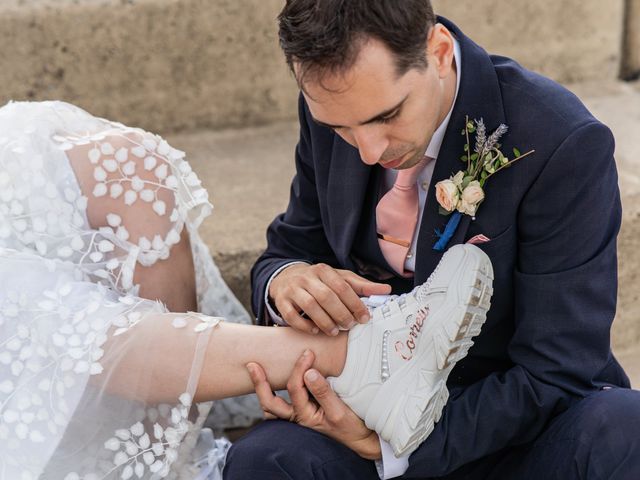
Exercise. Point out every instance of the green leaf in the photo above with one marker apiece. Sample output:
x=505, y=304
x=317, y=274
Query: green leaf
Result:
x=466, y=147
x=442, y=211
x=482, y=182
x=516, y=152
x=483, y=175
x=474, y=156
x=463, y=132
x=466, y=181
x=463, y=158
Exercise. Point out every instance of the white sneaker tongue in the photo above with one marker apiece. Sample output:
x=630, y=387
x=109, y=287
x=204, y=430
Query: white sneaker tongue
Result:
x=375, y=301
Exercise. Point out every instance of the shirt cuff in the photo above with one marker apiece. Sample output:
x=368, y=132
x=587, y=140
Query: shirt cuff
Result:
x=270, y=311
x=390, y=466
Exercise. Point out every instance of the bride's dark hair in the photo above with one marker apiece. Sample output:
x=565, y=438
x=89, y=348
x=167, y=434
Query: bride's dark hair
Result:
x=324, y=36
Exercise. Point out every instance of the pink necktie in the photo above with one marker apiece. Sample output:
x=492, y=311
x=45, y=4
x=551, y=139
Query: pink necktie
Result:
x=397, y=217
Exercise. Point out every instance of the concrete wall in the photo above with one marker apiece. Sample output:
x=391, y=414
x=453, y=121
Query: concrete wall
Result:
x=568, y=40
x=631, y=49
x=626, y=331
x=171, y=65
x=159, y=64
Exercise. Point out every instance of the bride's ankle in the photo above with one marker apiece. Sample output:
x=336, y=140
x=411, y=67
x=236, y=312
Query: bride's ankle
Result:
x=336, y=354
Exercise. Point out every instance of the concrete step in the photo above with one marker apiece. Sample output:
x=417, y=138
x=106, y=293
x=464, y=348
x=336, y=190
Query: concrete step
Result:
x=248, y=173
x=169, y=65
x=540, y=36
x=631, y=45
x=630, y=360
x=164, y=65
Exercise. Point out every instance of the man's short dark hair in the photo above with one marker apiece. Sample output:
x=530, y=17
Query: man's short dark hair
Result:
x=325, y=36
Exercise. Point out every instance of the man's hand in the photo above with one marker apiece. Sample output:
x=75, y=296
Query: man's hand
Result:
x=329, y=416
x=329, y=298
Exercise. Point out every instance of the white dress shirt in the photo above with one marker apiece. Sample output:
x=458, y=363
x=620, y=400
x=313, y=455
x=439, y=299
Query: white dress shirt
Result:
x=391, y=466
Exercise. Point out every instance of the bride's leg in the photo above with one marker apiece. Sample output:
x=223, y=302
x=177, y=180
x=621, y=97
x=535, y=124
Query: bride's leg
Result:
x=228, y=349
x=170, y=280
x=275, y=349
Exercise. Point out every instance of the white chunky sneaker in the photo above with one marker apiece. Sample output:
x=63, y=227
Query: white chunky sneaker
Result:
x=397, y=364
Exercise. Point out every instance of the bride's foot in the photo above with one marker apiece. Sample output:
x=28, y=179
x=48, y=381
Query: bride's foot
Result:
x=397, y=365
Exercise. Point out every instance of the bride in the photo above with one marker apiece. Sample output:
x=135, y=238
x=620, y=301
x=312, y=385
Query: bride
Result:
x=99, y=245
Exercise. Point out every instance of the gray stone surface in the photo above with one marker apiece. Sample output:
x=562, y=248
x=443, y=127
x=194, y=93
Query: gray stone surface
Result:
x=572, y=40
x=631, y=47
x=630, y=360
x=248, y=173
x=160, y=64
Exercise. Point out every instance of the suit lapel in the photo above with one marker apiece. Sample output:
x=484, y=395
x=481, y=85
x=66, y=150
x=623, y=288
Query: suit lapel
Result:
x=478, y=97
x=346, y=191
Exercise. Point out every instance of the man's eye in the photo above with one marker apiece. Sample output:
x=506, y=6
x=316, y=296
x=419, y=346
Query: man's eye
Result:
x=388, y=118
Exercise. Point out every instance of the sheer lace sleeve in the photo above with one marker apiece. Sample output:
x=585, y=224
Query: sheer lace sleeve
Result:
x=87, y=209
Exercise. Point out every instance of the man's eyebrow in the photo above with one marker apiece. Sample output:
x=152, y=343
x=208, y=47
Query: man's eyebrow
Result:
x=377, y=118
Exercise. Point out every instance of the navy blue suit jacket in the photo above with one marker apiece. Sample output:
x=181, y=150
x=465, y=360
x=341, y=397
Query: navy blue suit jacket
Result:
x=552, y=219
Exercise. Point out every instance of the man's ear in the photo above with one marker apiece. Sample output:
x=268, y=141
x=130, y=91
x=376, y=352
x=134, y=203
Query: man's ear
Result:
x=440, y=49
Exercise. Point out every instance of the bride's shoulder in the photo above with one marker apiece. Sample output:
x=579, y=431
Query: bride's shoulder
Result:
x=27, y=121
x=108, y=177
x=14, y=107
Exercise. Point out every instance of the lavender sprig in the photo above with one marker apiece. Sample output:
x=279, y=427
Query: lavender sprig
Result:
x=481, y=136
x=492, y=141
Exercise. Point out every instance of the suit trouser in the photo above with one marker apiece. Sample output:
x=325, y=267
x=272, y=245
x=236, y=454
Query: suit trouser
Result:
x=597, y=438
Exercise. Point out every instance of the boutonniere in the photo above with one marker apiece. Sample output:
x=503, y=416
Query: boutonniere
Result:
x=463, y=193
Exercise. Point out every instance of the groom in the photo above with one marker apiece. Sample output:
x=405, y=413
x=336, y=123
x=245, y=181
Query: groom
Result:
x=386, y=86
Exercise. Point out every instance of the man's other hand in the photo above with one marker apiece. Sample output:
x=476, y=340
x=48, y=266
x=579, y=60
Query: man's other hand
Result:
x=325, y=413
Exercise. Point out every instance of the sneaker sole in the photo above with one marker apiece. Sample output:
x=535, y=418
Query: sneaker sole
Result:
x=408, y=422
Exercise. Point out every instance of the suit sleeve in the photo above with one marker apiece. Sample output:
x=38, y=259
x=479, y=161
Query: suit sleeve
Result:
x=297, y=235
x=565, y=285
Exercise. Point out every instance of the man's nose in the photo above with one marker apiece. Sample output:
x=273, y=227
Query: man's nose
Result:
x=371, y=145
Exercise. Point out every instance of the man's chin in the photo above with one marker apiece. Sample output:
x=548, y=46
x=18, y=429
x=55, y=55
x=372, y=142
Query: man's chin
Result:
x=410, y=162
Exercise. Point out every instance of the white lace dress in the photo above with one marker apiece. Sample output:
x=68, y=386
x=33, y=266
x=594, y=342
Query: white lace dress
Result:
x=70, y=311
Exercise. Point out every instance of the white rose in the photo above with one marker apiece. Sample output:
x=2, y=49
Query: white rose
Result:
x=447, y=195
x=472, y=197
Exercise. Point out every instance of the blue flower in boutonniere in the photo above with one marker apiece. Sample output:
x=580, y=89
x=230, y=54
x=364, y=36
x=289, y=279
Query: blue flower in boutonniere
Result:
x=463, y=193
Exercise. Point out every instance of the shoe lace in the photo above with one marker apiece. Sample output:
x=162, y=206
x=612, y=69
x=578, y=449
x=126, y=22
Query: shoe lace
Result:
x=421, y=290
x=419, y=293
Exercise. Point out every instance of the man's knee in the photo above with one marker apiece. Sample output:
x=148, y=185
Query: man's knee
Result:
x=277, y=449
x=611, y=416
x=608, y=432
x=273, y=447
